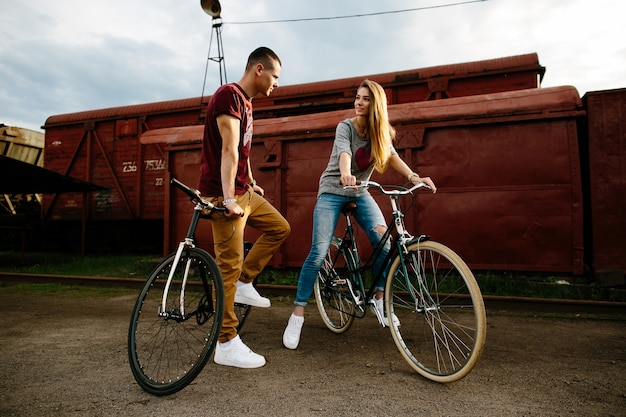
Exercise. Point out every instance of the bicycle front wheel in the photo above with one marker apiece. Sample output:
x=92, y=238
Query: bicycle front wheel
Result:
x=168, y=348
x=440, y=309
x=332, y=291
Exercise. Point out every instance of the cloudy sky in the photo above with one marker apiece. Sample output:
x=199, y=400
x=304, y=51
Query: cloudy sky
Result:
x=65, y=56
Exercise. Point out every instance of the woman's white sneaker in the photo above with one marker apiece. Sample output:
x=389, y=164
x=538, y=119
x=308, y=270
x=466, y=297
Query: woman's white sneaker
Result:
x=291, y=337
x=378, y=308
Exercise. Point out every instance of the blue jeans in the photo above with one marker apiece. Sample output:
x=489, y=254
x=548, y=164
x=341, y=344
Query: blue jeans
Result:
x=325, y=217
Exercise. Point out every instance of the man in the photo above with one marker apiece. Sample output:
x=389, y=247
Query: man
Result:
x=226, y=179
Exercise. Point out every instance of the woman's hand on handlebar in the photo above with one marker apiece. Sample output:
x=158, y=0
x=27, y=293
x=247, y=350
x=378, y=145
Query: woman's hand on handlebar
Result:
x=347, y=180
x=428, y=181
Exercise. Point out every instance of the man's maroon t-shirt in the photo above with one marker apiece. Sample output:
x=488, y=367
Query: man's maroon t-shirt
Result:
x=232, y=100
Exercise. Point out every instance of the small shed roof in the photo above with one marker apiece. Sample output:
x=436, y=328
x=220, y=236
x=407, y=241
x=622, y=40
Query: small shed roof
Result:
x=23, y=178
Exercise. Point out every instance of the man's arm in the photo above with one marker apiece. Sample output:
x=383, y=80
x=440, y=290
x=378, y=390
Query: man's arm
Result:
x=229, y=128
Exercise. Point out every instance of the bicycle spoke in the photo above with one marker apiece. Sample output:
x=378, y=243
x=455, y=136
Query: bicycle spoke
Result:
x=332, y=293
x=437, y=300
x=168, y=350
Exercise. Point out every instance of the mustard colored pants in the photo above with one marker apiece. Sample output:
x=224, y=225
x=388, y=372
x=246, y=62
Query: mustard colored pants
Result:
x=228, y=238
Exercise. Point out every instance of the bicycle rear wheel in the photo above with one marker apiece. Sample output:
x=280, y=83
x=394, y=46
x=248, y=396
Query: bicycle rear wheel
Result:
x=332, y=292
x=167, y=351
x=441, y=311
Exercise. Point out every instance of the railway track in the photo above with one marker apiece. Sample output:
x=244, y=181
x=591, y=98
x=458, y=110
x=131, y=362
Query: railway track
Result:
x=606, y=309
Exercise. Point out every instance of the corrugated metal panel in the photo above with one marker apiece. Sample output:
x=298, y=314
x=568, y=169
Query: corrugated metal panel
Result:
x=506, y=165
x=606, y=111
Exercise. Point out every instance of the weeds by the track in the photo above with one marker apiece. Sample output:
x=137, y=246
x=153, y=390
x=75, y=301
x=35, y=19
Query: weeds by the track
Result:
x=514, y=284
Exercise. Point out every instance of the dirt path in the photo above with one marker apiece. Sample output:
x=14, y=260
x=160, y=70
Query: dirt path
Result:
x=65, y=355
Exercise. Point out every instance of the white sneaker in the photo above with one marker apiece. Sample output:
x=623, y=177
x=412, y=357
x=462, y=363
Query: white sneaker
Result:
x=247, y=294
x=378, y=308
x=291, y=337
x=237, y=354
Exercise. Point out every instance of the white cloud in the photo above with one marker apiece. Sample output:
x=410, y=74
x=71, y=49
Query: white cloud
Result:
x=67, y=56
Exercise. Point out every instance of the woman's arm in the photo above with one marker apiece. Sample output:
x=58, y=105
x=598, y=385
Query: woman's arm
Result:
x=345, y=162
x=401, y=167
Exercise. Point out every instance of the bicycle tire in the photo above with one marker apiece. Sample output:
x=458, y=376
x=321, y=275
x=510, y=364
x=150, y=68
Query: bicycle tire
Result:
x=167, y=353
x=332, y=294
x=440, y=309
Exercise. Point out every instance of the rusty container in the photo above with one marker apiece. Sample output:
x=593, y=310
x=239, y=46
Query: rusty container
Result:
x=506, y=164
x=103, y=147
x=606, y=162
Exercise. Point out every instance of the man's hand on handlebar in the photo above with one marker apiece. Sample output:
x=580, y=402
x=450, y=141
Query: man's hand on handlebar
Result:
x=233, y=210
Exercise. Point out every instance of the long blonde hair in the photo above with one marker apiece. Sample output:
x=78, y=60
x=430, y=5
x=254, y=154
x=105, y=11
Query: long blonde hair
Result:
x=381, y=132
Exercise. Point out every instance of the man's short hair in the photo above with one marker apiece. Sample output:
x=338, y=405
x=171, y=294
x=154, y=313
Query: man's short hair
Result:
x=265, y=56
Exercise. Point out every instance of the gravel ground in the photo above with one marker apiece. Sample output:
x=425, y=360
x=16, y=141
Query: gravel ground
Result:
x=64, y=354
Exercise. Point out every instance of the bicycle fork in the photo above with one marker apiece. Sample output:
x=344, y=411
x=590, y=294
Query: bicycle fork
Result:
x=418, y=290
x=181, y=304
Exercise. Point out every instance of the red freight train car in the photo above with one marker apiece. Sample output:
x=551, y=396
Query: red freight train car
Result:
x=606, y=184
x=506, y=164
x=102, y=146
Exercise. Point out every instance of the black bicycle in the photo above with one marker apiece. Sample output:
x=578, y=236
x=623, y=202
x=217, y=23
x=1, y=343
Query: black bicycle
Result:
x=433, y=305
x=178, y=315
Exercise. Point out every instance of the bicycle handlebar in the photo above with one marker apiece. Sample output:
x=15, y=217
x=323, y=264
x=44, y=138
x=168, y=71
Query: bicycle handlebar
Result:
x=372, y=184
x=195, y=196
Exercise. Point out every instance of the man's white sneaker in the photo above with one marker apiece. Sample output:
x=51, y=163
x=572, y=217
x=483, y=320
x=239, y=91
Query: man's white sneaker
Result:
x=291, y=337
x=237, y=354
x=378, y=308
x=247, y=294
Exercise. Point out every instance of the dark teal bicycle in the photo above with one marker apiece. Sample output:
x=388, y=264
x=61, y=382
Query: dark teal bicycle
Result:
x=433, y=305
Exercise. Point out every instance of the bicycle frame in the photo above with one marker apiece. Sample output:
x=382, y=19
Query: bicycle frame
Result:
x=399, y=247
x=187, y=242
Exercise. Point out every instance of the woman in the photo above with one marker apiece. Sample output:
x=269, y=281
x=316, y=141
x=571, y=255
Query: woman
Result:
x=362, y=143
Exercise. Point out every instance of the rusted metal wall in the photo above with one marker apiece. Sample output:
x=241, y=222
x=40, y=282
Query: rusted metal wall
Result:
x=606, y=132
x=506, y=164
x=102, y=146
